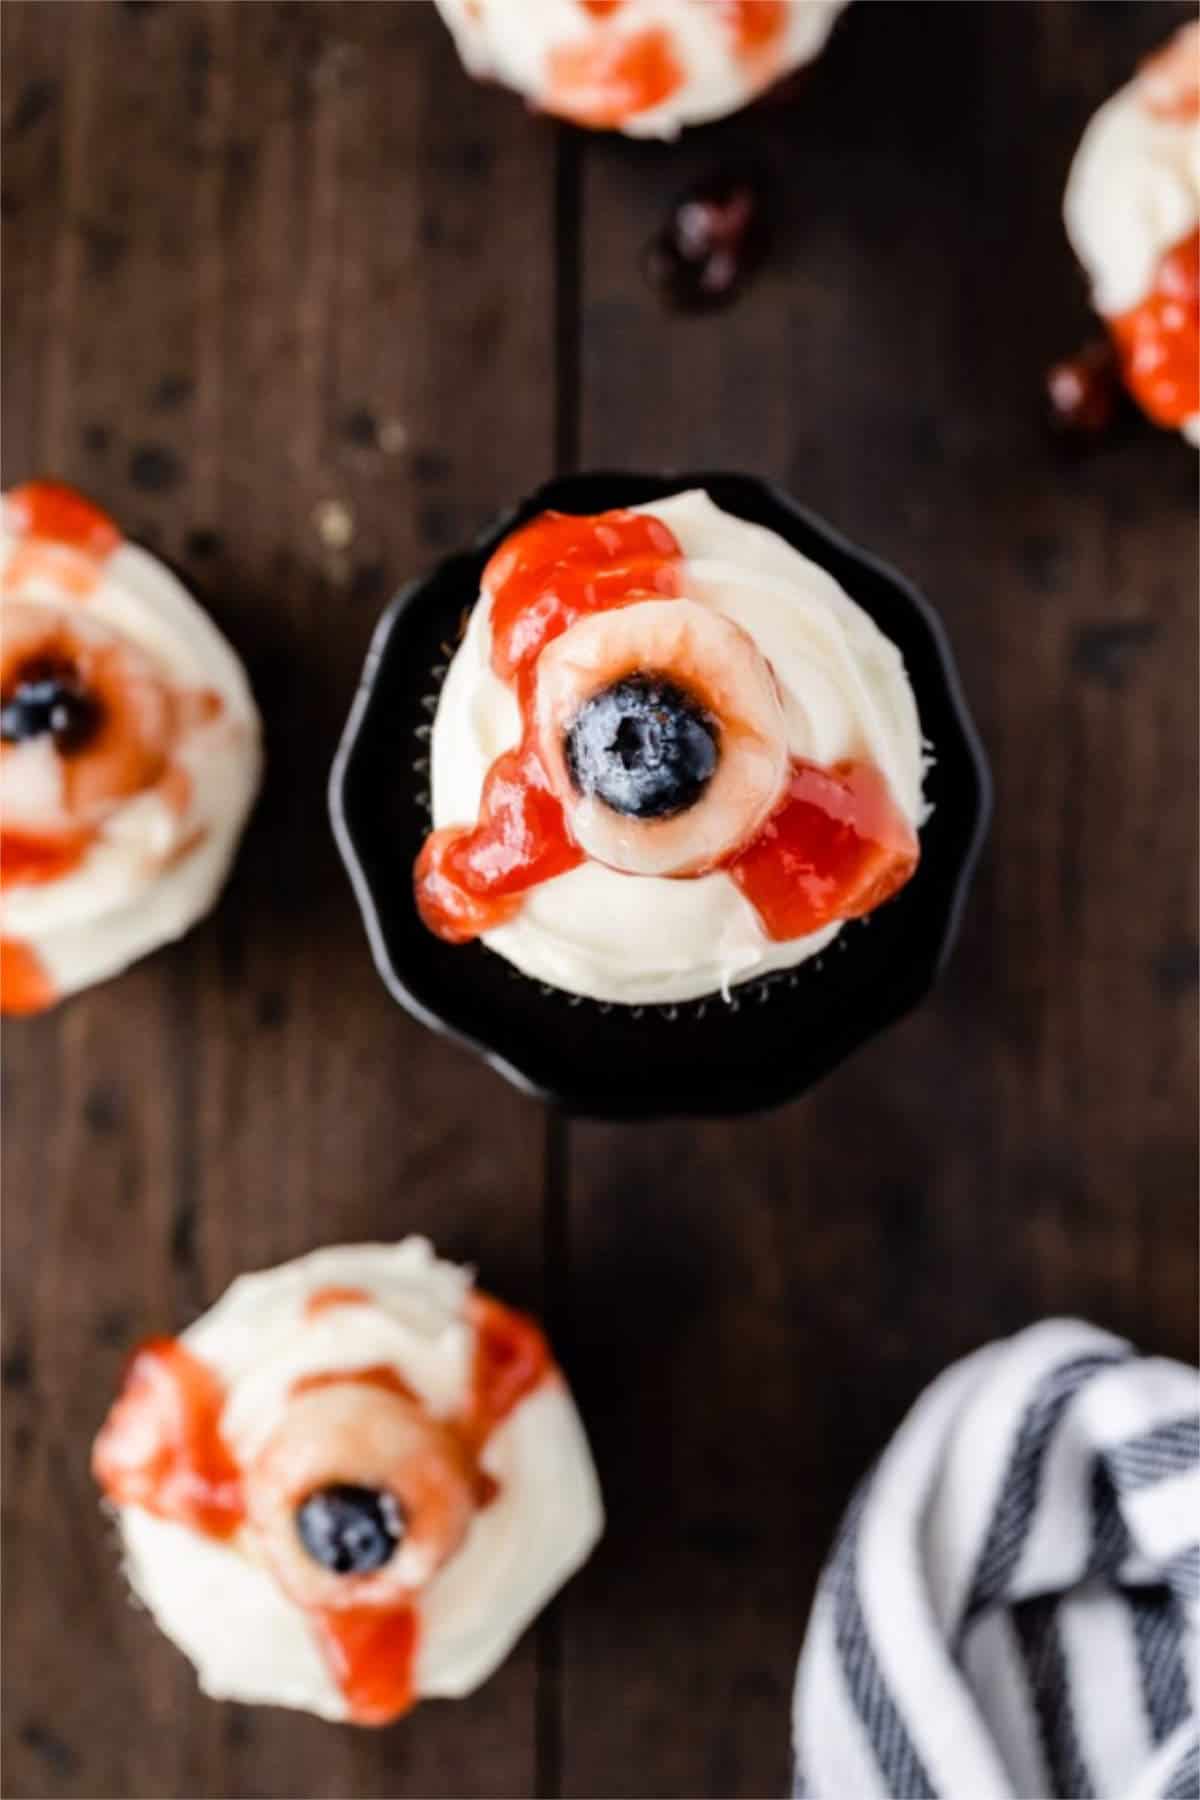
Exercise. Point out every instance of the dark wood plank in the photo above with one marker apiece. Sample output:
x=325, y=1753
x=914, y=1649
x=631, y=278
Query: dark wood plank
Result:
x=754, y=1305
x=252, y=268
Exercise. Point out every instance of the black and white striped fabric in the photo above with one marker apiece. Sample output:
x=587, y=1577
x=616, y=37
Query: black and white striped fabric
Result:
x=1010, y=1611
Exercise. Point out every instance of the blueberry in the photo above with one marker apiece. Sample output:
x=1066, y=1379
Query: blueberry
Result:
x=350, y=1530
x=48, y=699
x=644, y=747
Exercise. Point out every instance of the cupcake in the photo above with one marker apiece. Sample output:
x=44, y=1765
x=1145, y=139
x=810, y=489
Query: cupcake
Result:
x=657, y=748
x=671, y=755
x=349, y=1485
x=129, y=755
x=645, y=67
x=1132, y=211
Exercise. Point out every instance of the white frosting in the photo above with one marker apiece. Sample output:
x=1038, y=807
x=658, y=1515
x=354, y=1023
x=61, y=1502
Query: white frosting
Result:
x=1133, y=193
x=510, y=40
x=229, y=1614
x=137, y=886
x=641, y=939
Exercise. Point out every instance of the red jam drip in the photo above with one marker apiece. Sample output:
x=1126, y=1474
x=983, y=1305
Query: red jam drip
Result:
x=371, y=1651
x=756, y=25
x=161, y=1446
x=25, y=987
x=606, y=79
x=554, y=571
x=321, y=1299
x=53, y=511
x=837, y=848
x=28, y=861
x=600, y=9
x=1159, y=341
x=511, y=1358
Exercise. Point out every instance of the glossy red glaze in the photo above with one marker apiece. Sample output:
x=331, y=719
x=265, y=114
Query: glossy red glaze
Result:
x=50, y=509
x=600, y=9
x=25, y=987
x=606, y=79
x=1159, y=341
x=29, y=861
x=837, y=848
x=161, y=1446
x=543, y=578
x=371, y=1652
x=756, y=25
x=511, y=1358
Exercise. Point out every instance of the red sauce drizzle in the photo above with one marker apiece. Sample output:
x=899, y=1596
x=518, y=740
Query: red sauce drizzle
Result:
x=756, y=25
x=27, y=861
x=837, y=848
x=1159, y=341
x=322, y=1298
x=25, y=987
x=511, y=1358
x=605, y=79
x=600, y=9
x=371, y=1651
x=161, y=1446
x=51, y=510
x=552, y=572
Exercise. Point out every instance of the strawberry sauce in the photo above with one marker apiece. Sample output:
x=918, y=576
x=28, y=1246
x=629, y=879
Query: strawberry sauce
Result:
x=51, y=510
x=161, y=1446
x=1159, y=340
x=543, y=578
x=836, y=847
x=606, y=79
x=161, y=1449
x=25, y=986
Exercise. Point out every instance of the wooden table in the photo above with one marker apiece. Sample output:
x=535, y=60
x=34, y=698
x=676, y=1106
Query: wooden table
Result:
x=264, y=258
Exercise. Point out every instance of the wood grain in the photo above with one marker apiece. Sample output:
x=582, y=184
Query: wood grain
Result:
x=264, y=258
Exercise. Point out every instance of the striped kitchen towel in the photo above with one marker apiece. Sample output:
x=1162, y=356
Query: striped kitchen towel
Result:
x=1010, y=1611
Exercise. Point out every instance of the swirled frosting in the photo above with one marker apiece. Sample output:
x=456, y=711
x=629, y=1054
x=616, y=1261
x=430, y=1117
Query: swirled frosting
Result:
x=130, y=756
x=645, y=67
x=746, y=606
x=1132, y=211
x=369, y=1363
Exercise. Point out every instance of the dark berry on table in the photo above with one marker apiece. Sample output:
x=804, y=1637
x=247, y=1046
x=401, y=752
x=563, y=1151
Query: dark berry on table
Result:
x=48, y=700
x=644, y=747
x=350, y=1530
x=712, y=242
x=1084, y=390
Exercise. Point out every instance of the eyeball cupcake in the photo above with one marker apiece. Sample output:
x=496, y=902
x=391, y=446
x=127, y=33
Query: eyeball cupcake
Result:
x=349, y=1485
x=129, y=750
x=644, y=67
x=661, y=796
x=1132, y=212
x=671, y=755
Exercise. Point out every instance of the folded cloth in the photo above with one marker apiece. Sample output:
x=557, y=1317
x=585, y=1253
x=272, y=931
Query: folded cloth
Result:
x=1010, y=1611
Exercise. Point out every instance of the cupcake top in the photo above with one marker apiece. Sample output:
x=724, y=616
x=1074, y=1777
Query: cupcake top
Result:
x=352, y=1483
x=645, y=67
x=129, y=749
x=1132, y=211
x=671, y=754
